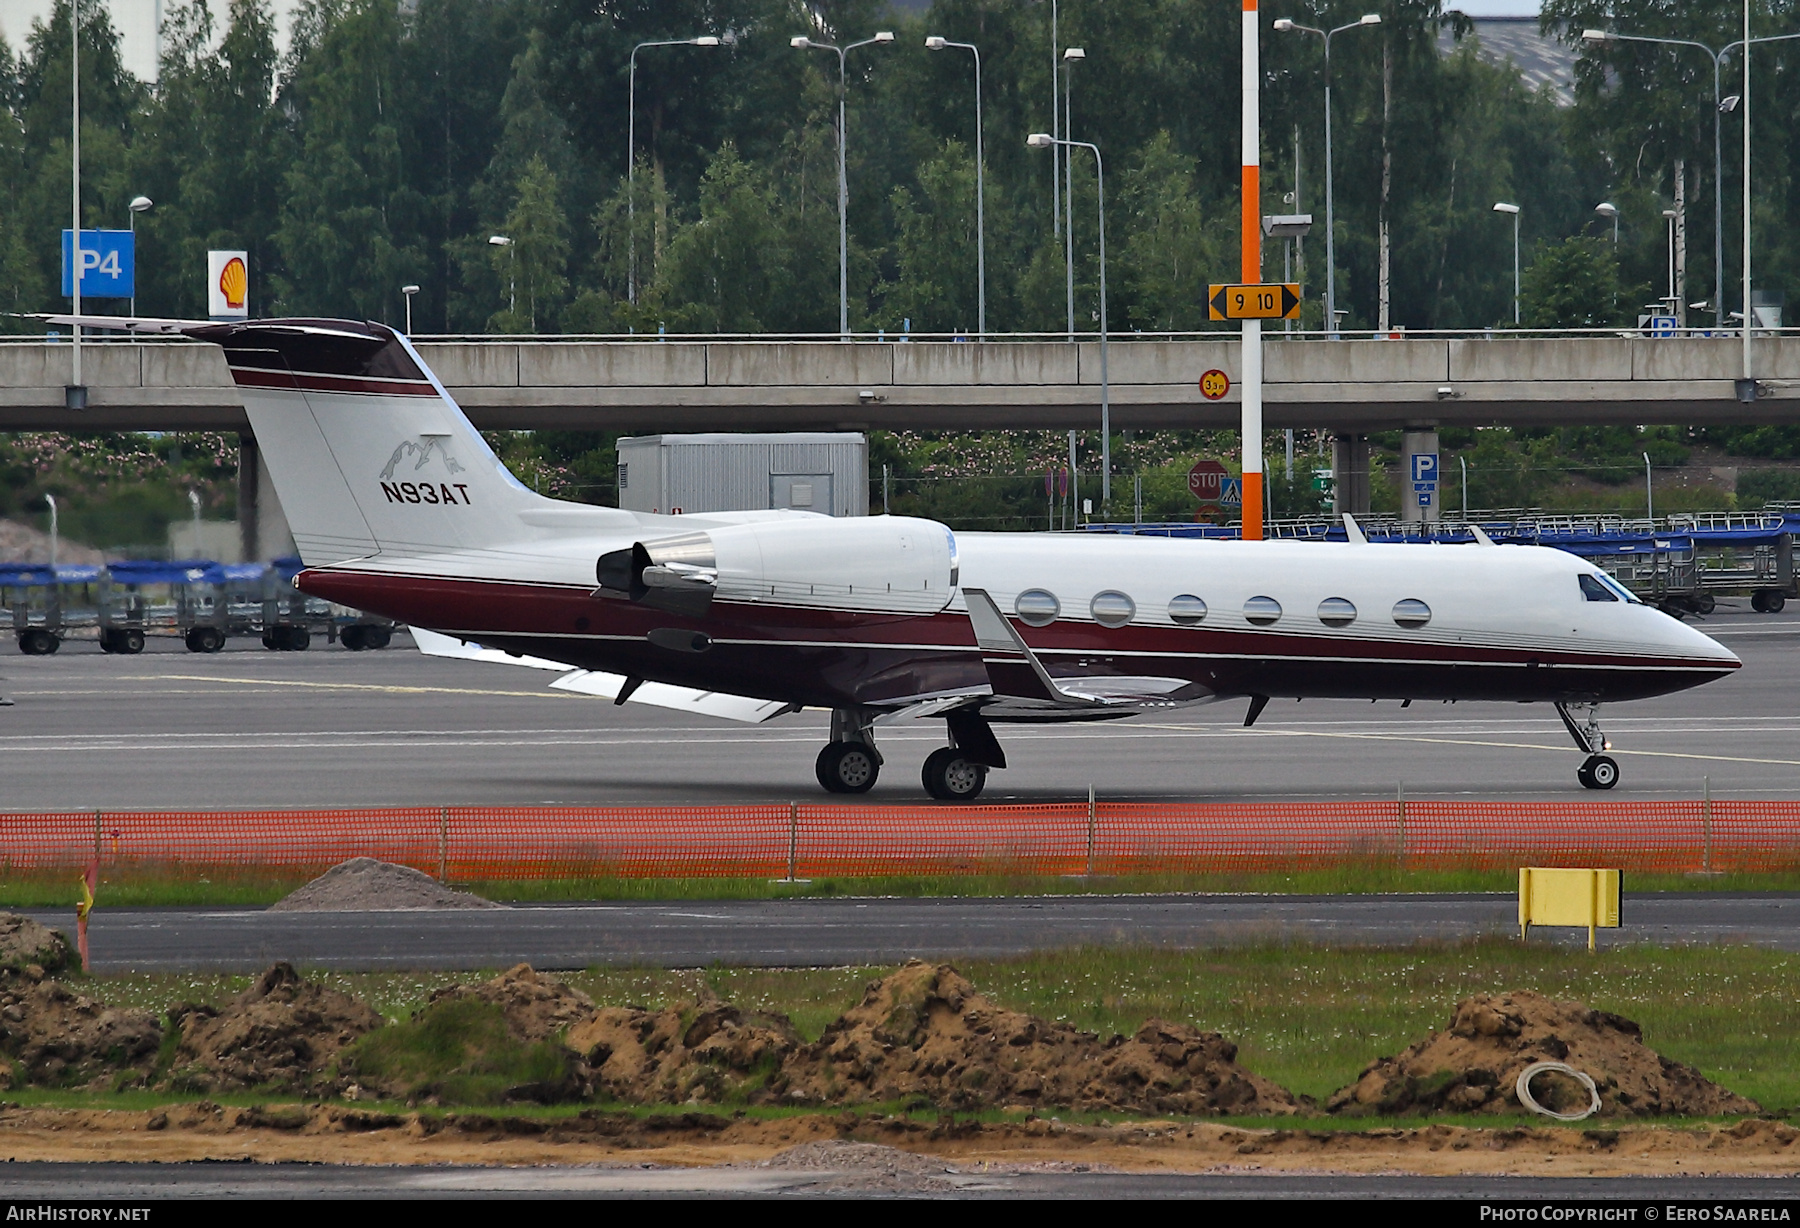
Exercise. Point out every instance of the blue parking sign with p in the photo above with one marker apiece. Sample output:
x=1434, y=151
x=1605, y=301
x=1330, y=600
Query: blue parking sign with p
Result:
x=1425, y=467
x=108, y=264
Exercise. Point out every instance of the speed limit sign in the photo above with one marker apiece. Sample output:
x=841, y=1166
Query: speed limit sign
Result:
x=1214, y=384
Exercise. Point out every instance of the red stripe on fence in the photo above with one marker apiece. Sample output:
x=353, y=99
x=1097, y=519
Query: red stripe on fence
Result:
x=472, y=843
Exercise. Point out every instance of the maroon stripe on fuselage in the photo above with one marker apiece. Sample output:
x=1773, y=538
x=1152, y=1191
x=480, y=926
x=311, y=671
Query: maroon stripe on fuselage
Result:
x=838, y=657
x=309, y=381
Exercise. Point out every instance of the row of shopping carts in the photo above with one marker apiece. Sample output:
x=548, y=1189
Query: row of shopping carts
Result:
x=203, y=603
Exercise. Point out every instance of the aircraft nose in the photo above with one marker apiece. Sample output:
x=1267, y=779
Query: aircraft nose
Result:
x=1706, y=647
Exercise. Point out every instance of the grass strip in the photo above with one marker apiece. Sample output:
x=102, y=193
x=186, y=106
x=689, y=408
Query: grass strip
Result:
x=141, y=889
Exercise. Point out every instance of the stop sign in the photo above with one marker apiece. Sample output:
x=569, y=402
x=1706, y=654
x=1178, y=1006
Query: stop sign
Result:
x=1206, y=480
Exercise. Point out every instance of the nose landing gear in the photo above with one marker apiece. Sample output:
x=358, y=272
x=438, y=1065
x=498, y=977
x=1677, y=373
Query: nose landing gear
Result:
x=1599, y=771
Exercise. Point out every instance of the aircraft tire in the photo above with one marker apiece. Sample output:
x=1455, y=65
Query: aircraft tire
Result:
x=847, y=767
x=949, y=777
x=1599, y=772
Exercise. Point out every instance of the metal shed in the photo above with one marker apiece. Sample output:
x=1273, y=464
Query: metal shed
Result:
x=826, y=472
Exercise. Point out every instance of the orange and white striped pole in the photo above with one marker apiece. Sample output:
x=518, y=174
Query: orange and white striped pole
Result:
x=1252, y=382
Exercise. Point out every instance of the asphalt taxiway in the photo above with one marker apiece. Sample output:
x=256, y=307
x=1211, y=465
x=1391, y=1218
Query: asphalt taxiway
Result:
x=832, y=932
x=251, y=728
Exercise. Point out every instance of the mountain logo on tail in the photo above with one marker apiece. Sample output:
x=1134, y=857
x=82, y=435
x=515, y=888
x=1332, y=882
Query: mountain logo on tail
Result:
x=437, y=492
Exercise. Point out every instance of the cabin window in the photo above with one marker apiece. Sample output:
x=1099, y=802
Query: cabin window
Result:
x=1337, y=612
x=1593, y=590
x=1112, y=608
x=1412, y=613
x=1187, y=610
x=1037, y=607
x=1262, y=611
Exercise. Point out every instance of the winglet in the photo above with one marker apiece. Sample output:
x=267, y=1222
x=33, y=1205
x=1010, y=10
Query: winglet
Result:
x=1353, y=532
x=1481, y=537
x=1012, y=668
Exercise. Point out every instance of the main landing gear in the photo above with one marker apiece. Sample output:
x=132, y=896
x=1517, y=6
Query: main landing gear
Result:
x=1599, y=771
x=955, y=773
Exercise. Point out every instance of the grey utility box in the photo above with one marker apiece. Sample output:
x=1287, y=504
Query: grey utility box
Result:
x=809, y=471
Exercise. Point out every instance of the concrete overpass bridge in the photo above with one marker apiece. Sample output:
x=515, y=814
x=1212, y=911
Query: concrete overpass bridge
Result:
x=683, y=384
x=653, y=384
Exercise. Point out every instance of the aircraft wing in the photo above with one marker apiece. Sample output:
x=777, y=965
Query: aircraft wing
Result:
x=615, y=687
x=1021, y=689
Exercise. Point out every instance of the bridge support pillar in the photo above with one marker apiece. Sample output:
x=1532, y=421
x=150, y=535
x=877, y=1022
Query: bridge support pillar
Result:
x=262, y=525
x=1420, y=506
x=1350, y=472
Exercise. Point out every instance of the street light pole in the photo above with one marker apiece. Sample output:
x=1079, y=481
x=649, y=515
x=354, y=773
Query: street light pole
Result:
x=937, y=43
x=75, y=392
x=1285, y=26
x=1043, y=140
x=1503, y=207
x=512, y=264
x=704, y=40
x=409, y=291
x=1607, y=36
x=1071, y=57
x=803, y=43
x=139, y=204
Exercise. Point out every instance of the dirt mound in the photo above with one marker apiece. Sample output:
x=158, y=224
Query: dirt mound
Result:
x=282, y=1032
x=699, y=1052
x=924, y=1032
x=1472, y=1066
x=536, y=1007
x=24, y=943
x=58, y=1037
x=364, y=884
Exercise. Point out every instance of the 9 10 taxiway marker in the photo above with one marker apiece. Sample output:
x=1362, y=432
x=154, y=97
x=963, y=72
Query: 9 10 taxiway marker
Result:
x=1275, y=301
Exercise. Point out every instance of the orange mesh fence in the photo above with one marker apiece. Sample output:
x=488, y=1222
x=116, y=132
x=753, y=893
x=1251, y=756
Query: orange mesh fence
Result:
x=472, y=843
x=876, y=841
x=617, y=842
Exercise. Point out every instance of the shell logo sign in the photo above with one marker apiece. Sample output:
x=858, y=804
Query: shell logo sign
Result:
x=228, y=285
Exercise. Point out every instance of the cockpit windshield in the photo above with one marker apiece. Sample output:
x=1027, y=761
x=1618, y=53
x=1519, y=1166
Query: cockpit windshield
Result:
x=1602, y=587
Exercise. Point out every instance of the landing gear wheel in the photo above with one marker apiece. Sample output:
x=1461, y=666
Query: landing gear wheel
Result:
x=351, y=637
x=205, y=639
x=1599, y=772
x=951, y=778
x=847, y=767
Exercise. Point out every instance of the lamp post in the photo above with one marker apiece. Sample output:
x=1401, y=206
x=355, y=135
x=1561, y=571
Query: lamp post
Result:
x=938, y=43
x=139, y=204
x=512, y=280
x=75, y=395
x=1056, y=155
x=1043, y=140
x=1649, y=493
x=1747, y=390
x=801, y=42
x=1610, y=211
x=1071, y=57
x=409, y=291
x=1286, y=26
x=704, y=40
x=1607, y=36
x=1503, y=207
x=51, y=500
x=1674, y=298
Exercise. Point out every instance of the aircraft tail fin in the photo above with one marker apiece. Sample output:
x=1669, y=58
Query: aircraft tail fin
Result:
x=369, y=453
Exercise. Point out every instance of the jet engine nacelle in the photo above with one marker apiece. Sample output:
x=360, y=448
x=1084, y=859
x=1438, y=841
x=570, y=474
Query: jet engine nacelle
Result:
x=893, y=564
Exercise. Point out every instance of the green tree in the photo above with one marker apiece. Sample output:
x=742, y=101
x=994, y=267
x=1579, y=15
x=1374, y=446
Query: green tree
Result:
x=1572, y=284
x=533, y=263
x=935, y=248
x=1173, y=245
